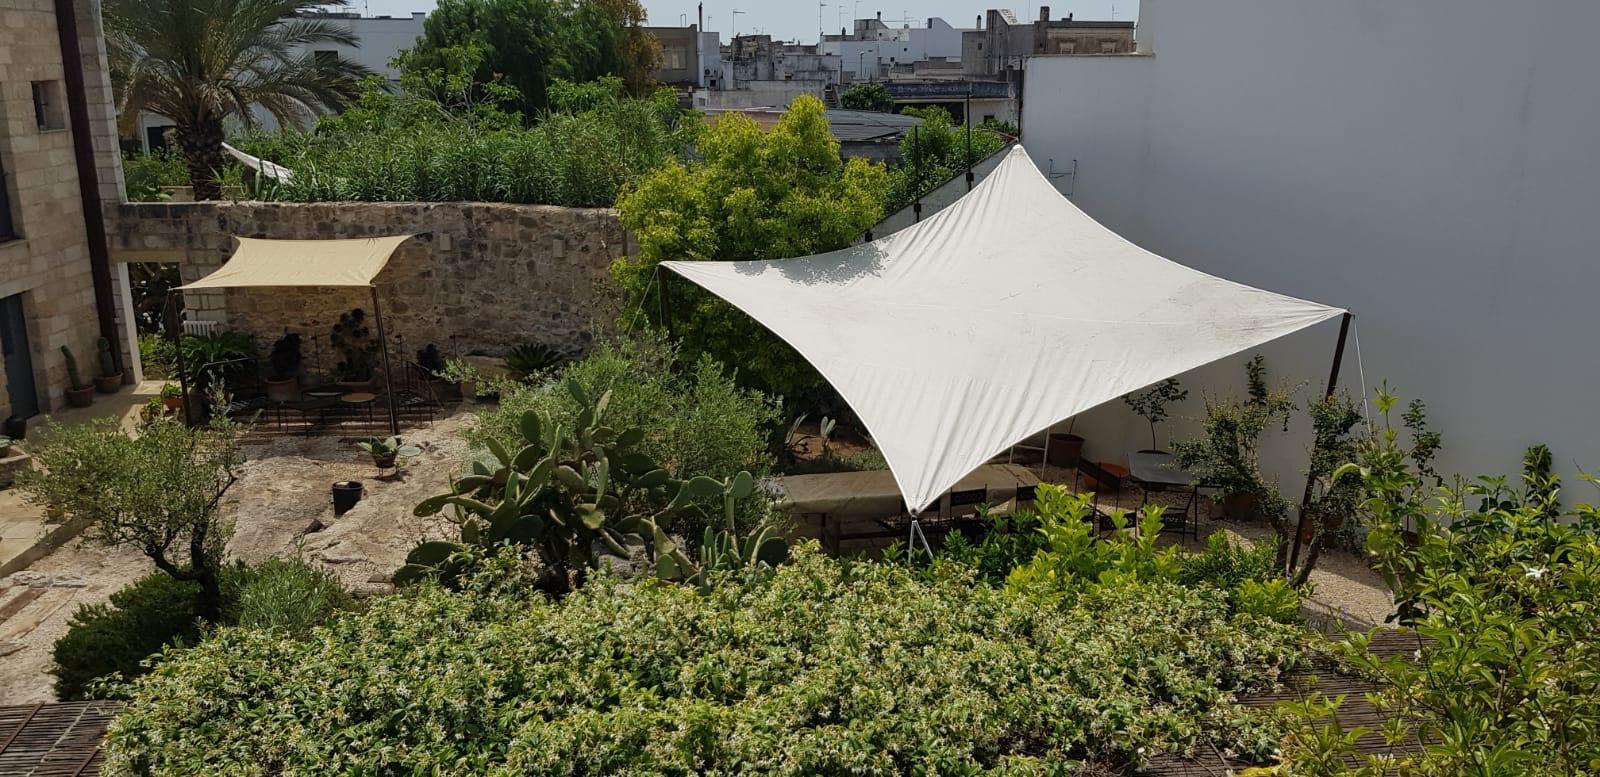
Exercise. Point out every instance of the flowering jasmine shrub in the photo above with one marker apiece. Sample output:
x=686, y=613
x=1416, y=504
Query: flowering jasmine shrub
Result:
x=823, y=667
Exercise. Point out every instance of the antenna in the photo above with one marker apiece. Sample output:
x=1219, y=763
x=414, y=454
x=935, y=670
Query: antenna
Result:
x=736, y=13
x=821, y=31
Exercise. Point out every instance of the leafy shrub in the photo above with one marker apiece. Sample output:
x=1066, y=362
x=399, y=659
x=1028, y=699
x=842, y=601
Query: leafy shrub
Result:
x=1226, y=564
x=144, y=175
x=116, y=637
x=697, y=422
x=868, y=96
x=393, y=149
x=1009, y=541
x=1272, y=599
x=290, y=596
x=935, y=153
x=159, y=357
x=1502, y=600
x=823, y=667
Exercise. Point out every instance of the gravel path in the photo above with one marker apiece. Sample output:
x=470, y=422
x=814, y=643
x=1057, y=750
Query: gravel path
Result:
x=283, y=487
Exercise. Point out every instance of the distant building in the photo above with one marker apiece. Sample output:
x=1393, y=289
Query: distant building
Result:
x=1002, y=43
x=378, y=40
x=679, y=64
x=874, y=48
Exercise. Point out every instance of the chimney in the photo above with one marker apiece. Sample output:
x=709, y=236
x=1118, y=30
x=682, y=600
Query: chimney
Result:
x=700, y=16
x=880, y=16
x=1044, y=13
x=980, y=21
x=1069, y=17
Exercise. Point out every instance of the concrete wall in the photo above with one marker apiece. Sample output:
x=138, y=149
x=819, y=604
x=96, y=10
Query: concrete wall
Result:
x=1393, y=158
x=48, y=261
x=489, y=277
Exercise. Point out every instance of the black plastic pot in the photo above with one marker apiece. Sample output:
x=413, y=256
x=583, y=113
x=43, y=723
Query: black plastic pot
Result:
x=16, y=427
x=345, y=495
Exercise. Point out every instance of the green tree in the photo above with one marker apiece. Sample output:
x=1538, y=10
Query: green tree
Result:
x=202, y=62
x=157, y=493
x=532, y=43
x=936, y=152
x=867, y=97
x=751, y=195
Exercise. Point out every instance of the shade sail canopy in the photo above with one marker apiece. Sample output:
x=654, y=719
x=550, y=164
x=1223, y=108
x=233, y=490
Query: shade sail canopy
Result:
x=303, y=263
x=270, y=170
x=1004, y=313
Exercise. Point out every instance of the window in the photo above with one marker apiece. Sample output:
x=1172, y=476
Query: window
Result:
x=672, y=59
x=326, y=57
x=8, y=228
x=47, y=105
x=1108, y=47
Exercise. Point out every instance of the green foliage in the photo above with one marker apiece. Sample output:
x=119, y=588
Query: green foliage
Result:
x=289, y=596
x=1504, y=679
x=936, y=152
x=389, y=446
x=220, y=359
x=532, y=359
x=695, y=421
x=867, y=97
x=531, y=44
x=408, y=147
x=1152, y=403
x=1226, y=454
x=115, y=638
x=144, y=175
x=822, y=667
x=1009, y=540
x=750, y=195
x=1074, y=560
x=155, y=493
x=1226, y=564
x=1273, y=599
x=202, y=63
x=352, y=338
x=567, y=492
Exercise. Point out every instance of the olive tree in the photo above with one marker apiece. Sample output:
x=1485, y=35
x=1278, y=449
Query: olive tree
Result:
x=158, y=492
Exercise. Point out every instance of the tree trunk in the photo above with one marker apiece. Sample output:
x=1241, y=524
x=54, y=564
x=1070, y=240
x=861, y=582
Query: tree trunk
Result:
x=201, y=143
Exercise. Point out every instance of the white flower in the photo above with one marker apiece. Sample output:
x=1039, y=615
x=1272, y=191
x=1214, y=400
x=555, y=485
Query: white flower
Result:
x=1536, y=572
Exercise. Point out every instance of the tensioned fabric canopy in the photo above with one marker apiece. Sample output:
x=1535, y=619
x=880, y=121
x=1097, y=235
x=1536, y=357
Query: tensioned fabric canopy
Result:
x=1006, y=312
x=352, y=262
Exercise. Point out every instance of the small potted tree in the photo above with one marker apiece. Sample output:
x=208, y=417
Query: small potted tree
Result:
x=387, y=451
x=283, y=379
x=358, y=351
x=433, y=365
x=110, y=378
x=1152, y=404
x=79, y=392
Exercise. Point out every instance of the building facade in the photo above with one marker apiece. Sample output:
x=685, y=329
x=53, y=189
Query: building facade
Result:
x=60, y=170
x=1002, y=42
x=1368, y=155
x=874, y=48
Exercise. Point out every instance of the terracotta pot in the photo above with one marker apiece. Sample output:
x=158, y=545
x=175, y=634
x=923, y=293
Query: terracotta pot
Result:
x=80, y=397
x=1063, y=450
x=383, y=460
x=1240, y=507
x=172, y=403
x=283, y=389
x=469, y=390
x=108, y=384
x=346, y=493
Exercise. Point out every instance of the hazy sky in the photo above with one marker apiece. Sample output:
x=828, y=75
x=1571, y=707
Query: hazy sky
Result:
x=797, y=19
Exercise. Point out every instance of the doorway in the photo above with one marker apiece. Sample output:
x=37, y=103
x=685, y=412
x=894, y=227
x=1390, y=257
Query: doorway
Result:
x=20, y=388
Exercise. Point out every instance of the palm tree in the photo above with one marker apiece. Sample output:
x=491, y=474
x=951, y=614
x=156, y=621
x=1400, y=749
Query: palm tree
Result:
x=201, y=62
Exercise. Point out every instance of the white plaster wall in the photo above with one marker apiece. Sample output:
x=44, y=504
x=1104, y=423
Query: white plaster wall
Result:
x=1404, y=160
x=861, y=59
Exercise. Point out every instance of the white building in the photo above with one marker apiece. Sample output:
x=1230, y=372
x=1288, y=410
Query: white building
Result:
x=874, y=47
x=1397, y=159
x=379, y=39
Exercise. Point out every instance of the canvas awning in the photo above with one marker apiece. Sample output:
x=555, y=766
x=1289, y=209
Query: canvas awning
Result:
x=1001, y=315
x=257, y=262
x=267, y=169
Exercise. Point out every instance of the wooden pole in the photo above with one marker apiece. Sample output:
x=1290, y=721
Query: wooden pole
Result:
x=1305, y=500
x=388, y=375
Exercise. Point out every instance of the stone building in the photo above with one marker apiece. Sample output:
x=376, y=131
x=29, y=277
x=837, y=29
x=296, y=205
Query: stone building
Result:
x=58, y=161
x=1002, y=42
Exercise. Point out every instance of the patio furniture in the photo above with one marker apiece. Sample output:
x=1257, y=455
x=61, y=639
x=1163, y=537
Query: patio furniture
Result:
x=838, y=498
x=1159, y=471
x=359, y=399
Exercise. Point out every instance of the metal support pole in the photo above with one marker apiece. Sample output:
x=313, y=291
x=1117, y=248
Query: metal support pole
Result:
x=664, y=297
x=388, y=375
x=967, y=119
x=1305, y=500
x=174, y=326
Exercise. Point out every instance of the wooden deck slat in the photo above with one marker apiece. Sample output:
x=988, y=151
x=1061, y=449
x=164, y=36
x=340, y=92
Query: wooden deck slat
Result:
x=54, y=740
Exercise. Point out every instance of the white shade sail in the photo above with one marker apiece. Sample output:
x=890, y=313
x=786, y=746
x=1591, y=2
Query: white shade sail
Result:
x=270, y=170
x=1004, y=313
x=257, y=262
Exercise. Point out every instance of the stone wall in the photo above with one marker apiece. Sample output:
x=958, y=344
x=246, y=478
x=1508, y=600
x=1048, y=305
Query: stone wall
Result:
x=487, y=277
x=46, y=261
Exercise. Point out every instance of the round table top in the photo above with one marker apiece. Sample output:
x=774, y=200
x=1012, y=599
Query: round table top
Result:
x=357, y=397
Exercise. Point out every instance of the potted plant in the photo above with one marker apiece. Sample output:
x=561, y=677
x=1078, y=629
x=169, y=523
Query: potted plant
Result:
x=462, y=374
x=1152, y=404
x=110, y=379
x=1063, y=449
x=79, y=393
x=352, y=338
x=15, y=427
x=531, y=359
x=283, y=377
x=386, y=451
x=171, y=396
x=345, y=495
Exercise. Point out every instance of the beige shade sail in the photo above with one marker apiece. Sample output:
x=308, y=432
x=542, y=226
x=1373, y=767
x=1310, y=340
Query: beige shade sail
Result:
x=1004, y=313
x=257, y=262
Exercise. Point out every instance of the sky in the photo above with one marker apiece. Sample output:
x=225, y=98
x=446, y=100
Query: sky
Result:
x=797, y=19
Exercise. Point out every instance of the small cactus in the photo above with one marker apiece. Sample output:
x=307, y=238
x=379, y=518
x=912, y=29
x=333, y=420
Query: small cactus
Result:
x=72, y=370
x=108, y=365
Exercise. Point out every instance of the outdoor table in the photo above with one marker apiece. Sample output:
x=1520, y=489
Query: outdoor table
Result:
x=357, y=398
x=1159, y=471
x=874, y=493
